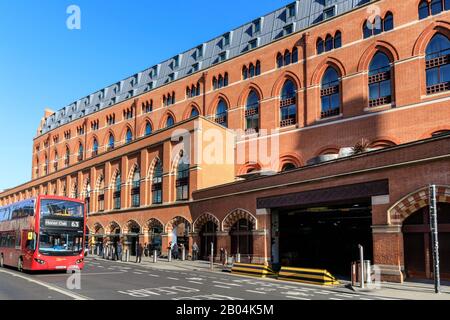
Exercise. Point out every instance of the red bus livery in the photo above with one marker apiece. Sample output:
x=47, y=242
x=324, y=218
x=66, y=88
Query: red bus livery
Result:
x=43, y=233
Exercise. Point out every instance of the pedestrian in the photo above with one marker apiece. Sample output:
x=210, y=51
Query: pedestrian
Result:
x=180, y=249
x=222, y=255
x=225, y=261
x=146, y=252
x=169, y=249
x=139, y=250
x=175, y=251
x=119, y=251
x=194, y=251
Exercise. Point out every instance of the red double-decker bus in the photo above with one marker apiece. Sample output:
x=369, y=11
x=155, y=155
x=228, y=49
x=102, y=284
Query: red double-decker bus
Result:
x=43, y=233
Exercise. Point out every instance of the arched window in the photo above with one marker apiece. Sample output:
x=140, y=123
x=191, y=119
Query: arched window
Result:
x=111, y=142
x=67, y=157
x=188, y=92
x=46, y=165
x=330, y=93
x=169, y=122
x=197, y=90
x=295, y=55
x=55, y=162
x=80, y=152
x=320, y=46
x=182, y=183
x=258, y=68
x=337, y=40
x=244, y=73
x=287, y=58
x=367, y=29
x=288, y=104
x=436, y=7
x=251, y=70
x=380, y=87
x=214, y=83
x=117, y=192
x=252, y=113
x=157, y=183
x=279, y=60
x=438, y=64
x=377, y=25
x=288, y=167
x=87, y=197
x=194, y=112
x=220, y=81
x=225, y=79
x=148, y=129
x=101, y=195
x=136, y=189
x=328, y=43
x=221, y=113
x=95, y=148
x=388, y=23
x=129, y=136
x=424, y=10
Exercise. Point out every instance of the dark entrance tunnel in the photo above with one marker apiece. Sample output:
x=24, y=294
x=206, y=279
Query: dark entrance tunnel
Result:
x=326, y=237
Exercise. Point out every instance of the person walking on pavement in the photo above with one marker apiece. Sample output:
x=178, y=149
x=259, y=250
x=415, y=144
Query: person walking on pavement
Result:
x=119, y=251
x=139, y=250
x=222, y=255
x=146, y=252
x=175, y=251
x=194, y=251
x=180, y=250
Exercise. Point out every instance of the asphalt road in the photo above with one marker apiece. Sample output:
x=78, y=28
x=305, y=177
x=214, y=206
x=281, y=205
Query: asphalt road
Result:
x=108, y=280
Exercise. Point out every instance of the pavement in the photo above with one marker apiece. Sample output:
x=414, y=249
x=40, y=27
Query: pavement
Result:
x=181, y=280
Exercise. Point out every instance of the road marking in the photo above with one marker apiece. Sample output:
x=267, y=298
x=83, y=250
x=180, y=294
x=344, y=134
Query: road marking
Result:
x=319, y=292
x=346, y=295
x=176, y=279
x=293, y=293
x=297, y=298
x=335, y=299
x=195, y=279
x=225, y=287
x=255, y=291
x=381, y=298
x=365, y=299
x=196, y=282
x=137, y=272
x=228, y=284
x=101, y=267
x=48, y=286
x=144, y=271
x=153, y=275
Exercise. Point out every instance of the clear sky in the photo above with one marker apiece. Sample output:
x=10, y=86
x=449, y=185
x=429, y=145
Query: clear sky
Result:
x=44, y=64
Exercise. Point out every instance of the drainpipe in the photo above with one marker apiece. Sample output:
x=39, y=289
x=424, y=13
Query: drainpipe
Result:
x=203, y=78
x=305, y=77
x=134, y=106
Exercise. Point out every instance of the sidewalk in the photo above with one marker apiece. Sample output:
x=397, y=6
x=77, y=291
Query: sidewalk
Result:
x=408, y=290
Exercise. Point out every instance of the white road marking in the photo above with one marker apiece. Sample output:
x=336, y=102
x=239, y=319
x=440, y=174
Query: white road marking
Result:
x=346, y=295
x=365, y=299
x=153, y=275
x=176, y=279
x=297, y=298
x=228, y=284
x=335, y=299
x=255, y=291
x=101, y=267
x=48, y=286
x=196, y=282
x=195, y=279
x=137, y=272
x=293, y=293
x=216, y=285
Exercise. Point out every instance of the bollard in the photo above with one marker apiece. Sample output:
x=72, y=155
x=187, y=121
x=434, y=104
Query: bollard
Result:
x=238, y=258
x=183, y=254
x=368, y=271
x=169, y=255
x=127, y=255
x=155, y=256
x=361, y=273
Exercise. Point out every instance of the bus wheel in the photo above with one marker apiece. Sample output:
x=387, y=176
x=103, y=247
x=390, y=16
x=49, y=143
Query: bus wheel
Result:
x=20, y=265
x=1, y=261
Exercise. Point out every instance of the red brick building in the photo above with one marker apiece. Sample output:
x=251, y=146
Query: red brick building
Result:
x=355, y=99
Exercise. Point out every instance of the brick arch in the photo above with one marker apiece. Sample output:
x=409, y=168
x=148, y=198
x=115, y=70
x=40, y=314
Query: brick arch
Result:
x=213, y=106
x=327, y=150
x=97, y=227
x=323, y=66
x=242, y=100
x=187, y=112
x=378, y=46
x=425, y=37
x=123, y=134
x=291, y=157
x=244, y=168
x=278, y=85
x=162, y=122
x=106, y=138
x=430, y=133
x=175, y=222
x=414, y=201
x=151, y=168
x=144, y=124
x=99, y=181
x=236, y=215
x=91, y=143
x=382, y=143
x=112, y=226
x=130, y=224
x=203, y=219
x=153, y=222
x=131, y=173
x=112, y=183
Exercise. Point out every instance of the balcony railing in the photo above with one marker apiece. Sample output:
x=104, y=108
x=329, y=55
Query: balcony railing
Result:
x=440, y=87
x=287, y=101
x=287, y=122
x=331, y=113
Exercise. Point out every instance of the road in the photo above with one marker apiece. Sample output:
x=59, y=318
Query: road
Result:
x=108, y=280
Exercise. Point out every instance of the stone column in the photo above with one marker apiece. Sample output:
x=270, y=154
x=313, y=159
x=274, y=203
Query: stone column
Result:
x=108, y=191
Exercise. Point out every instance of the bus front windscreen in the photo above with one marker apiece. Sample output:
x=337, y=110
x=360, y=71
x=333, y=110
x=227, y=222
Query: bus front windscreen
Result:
x=61, y=208
x=60, y=244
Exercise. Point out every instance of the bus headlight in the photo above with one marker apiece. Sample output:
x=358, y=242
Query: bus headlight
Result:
x=79, y=261
x=39, y=261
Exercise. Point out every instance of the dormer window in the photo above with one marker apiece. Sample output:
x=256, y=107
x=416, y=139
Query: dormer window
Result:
x=291, y=11
x=252, y=44
x=176, y=62
x=222, y=56
x=133, y=81
x=329, y=12
x=195, y=67
x=226, y=39
x=171, y=77
x=199, y=52
x=256, y=26
x=288, y=29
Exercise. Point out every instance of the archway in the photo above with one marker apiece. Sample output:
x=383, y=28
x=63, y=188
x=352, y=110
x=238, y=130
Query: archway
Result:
x=178, y=230
x=114, y=233
x=418, y=254
x=155, y=229
x=99, y=234
x=240, y=224
x=132, y=236
x=207, y=226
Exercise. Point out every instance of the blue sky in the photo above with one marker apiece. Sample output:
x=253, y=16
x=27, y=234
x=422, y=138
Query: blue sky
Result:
x=44, y=64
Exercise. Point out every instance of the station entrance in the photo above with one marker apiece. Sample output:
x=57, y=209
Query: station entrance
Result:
x=326, y=237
